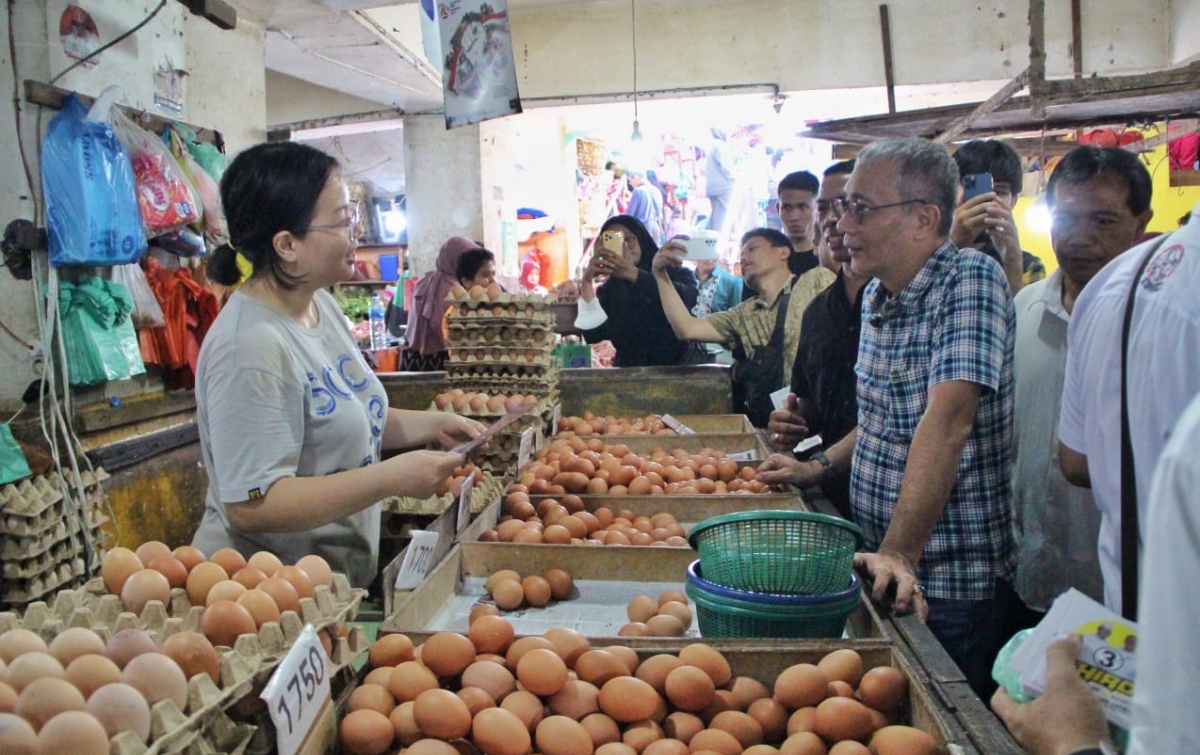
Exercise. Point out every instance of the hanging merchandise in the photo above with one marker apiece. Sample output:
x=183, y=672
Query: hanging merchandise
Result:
x=189, y=310
x=165, y=197
x=88, y=183
x=147, y=312
x=13, y=464
x=205, y=185
x=97, y=331
x=183, y=242
x=207, y=156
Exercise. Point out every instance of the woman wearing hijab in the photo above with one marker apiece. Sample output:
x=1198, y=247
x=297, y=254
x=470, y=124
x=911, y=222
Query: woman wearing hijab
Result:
x=636, y=324
x=426, y=350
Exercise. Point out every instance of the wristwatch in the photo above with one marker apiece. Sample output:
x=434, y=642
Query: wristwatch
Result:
x=827, y=468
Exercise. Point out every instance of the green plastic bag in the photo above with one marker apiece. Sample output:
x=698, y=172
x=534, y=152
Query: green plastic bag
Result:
x=98, y=333
x=206, y=155
x=13, y=465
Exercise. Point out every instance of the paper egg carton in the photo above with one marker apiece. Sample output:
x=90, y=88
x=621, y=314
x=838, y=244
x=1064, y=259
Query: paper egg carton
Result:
x=541, y=386
x=457, y=371
x=484, y=314
x=485, y=490
x=500, y=356
x=468, y=332
x=485, y=416
x=29, y=506
x=504, y=297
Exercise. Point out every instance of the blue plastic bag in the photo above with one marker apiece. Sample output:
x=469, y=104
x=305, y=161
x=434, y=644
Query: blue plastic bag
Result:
x=91, y=204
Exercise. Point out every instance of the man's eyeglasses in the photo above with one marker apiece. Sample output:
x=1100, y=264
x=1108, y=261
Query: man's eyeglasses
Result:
x=350, y=226
x=859, y=211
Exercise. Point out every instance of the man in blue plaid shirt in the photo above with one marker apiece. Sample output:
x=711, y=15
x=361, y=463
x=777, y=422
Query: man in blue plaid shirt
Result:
x=932, y=451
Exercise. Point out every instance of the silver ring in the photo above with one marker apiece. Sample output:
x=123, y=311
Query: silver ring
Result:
x=918, y=591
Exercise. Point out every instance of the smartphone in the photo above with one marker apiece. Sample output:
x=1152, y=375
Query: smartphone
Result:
x=975, y=184
x=613, y=241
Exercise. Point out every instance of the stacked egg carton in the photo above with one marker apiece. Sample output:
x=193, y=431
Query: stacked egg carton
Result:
x=203, y=726
x=486, y=488
x=500, y=345
x=42, y=547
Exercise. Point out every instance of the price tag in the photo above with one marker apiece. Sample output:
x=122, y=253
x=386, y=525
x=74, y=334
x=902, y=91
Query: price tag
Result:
x=464, y=501
x=526, y=452
x=418, y=559
x=809, y=443
x=676, y=425
x=779, y=397
x=297, y=690
x=744, y=456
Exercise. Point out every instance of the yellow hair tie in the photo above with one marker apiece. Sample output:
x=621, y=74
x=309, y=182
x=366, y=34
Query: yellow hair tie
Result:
x=244, y=266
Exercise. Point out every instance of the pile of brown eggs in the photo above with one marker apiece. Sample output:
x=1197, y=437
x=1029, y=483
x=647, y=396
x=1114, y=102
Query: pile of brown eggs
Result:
x=72, y=695
x=575, y=465
x=510, y=591
x=563, y=521
x=590, y=424
x=668, y=616
x=480, y=404
x=557, y=695
x=239, y=594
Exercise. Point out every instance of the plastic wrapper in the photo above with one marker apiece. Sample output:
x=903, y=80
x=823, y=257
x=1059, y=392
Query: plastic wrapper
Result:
x=205, y=185
x=147, y=312
x=88, y=182
x=182, y=242
x=207, y=156
x=98, y=332
x=165, y=197
x=13, y=465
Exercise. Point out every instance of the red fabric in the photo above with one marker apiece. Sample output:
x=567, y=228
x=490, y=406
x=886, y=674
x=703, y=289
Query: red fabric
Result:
x=1184, y=151
x=189, y=310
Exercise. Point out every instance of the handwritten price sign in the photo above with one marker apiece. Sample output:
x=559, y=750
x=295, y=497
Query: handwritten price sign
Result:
x=297, y=690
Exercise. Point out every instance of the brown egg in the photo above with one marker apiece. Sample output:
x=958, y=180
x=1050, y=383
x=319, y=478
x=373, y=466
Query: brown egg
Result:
x=447, y=653
x=144, y=586
x=317, y=569
x=526, y=706
x=75, y=642
x=261, y=606
x=642, y=734
x=849, y=747
x=842, y=665
x=679, y=610
x=410, y=679
x=803, y=719
x=16, y=642
x=230, y=560
x=761, y=750
x=682, y=726
x=491, y=634
x=903, y=740
x=403, y=724
x=601, y=728
x=508, y=593
x=371, y=697
x=748, y=690
x=708, y=658
x=201, y=579
x=841, y=718
x=428, y=746
x=491, y=677
x=838, y=688
x=537, y=591
x=73, y=732
x=171, y=568
x=742, y=726
x=497, y=731
x=641, y=608
x=189, y=556
x=542, y=671
x=477, y=292
x=665, y=625
x=803, y=743
x=634, y=629
x=30, y=667
x=128, y=644
x=628, y=699
x=378, y=675
x=575, y=700
x=442, y=714
x=194, y=654
x=249, y=577
x=299, y=579
x=666, y=746
x=800, y=686
x=224, y=621
x=560, y=735
x=150, y=550
x=615, y=748
x=476, y=699
x=625, y=654
x=457, y=291
x=690, y=689
x=366, y=732
x=226, y=589
x=157, y=677
x=883, y=688
x=569, y=644
x=8, y=697
x=390, y=650
x=43, y=699
x=282, y=592
x=771, y=716
x=523, y=645
x=599, y=666
x=17, y=737
x=721, y=742
x=119, y=707
x=116, y=567
x=266, y=561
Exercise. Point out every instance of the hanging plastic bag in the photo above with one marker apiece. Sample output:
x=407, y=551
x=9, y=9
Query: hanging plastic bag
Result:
x=165, y=197
x=207, y=156
x=147, y=312
x=98, y=333
x=13, y=464
x=183, y=242
x=206, y=187
x=88, y=182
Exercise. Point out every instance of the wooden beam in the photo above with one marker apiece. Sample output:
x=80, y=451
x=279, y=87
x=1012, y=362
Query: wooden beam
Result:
x=1060, y=91
x=1037, y=56
x=991, y=103
x=1077, y=37
x=1182, y=127
x=105, y=415
x=1185, y=178
x=889, y=75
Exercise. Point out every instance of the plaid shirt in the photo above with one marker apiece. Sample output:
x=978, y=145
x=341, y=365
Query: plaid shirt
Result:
x=954, y=321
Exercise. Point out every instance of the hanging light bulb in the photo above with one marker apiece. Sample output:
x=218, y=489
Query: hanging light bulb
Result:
x=636, y=136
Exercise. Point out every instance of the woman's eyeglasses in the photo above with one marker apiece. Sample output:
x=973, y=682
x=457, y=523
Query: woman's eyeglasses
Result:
x=350, y=226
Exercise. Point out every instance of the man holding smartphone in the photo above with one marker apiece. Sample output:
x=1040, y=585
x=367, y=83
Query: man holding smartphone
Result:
x=991, y=174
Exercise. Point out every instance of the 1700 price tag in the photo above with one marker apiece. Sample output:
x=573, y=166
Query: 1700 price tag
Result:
x=297, y=690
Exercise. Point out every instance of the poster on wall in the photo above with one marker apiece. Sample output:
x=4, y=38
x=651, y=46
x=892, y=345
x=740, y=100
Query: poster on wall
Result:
x=479, y=77
x=79, y=35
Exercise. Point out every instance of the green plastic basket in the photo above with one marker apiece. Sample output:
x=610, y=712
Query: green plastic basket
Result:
x=781, y=552
x=723, y=617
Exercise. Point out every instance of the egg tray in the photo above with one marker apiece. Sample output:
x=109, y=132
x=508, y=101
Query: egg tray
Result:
x=485, y=355
x=483, y=492
x=467, y=333
x=487, y=415
x=504, y=297
x=462, y=371
x=27, y=547
x=34, y=505
x=541, y=387
x=499, y=316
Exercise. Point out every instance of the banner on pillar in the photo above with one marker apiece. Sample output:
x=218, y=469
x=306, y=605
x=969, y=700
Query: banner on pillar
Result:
x=479, y=77
x=431, y=35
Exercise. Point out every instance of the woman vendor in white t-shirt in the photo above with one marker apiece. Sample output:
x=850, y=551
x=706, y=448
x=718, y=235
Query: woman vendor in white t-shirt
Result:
x=292, y=420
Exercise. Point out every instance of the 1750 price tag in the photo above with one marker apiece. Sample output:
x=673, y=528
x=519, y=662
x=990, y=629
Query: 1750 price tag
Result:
x=297, y=690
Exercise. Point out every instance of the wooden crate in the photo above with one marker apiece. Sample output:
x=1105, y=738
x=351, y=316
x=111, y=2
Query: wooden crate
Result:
x=443, y=601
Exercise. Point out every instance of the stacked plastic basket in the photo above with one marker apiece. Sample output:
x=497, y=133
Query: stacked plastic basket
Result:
x=774, y=574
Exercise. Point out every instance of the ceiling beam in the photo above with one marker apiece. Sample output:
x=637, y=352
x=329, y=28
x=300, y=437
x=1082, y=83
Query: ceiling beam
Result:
x=1004, y=94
